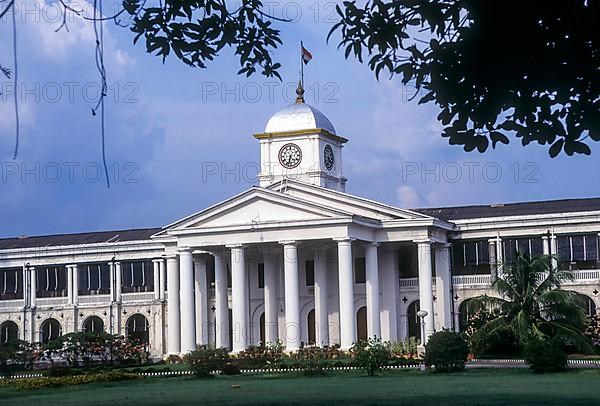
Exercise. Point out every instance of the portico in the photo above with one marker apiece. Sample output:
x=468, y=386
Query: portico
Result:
x=317, y=250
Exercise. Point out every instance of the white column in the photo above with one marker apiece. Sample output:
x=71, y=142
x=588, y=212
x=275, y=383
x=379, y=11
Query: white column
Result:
x=346, y=293
x=75, y=284
x=69, y=284
x=545, y=245
x=186, y=297
x=426, y=286
x=292, y=330
x=173, y=320
x=270, y=293
x=113, y=282
x=493, y=260
x=239, y=299
x=118, y=282
x=390, y=295
x=156, y=278
x=162, y=279
x=33, y=287
x=221, y=302
x=444, y=285
x=321, y=309
x=201, y=300
x=372, y=291
x=499, y=257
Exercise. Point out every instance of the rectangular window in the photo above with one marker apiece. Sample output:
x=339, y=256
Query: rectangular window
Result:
x=261, y=276
x=93, y=279
x=51, y=281
x=359, y=270
x=11, y=283
x=578, y=251
x=470, y=257
x=407, y=261
x=529, y=246
x=137, y=276
x=310, y=272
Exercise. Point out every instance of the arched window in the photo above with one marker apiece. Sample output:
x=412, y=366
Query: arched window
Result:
x=310, y=322
x=93, y=324
x=414, y=325
x=137, y=328
x=361, y=324
x=8, y=331
x=50, y=329
x=586, y=303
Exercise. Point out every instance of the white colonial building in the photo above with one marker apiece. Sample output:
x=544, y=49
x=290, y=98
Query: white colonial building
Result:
x=294, y=259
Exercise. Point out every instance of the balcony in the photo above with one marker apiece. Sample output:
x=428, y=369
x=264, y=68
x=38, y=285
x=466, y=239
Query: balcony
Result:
x=137, y=297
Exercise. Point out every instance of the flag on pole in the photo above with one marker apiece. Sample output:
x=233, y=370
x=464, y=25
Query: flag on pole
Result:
x=306, y=55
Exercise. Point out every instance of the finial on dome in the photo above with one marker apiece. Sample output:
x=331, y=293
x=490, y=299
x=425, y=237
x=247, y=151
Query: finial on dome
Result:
x=300, y=93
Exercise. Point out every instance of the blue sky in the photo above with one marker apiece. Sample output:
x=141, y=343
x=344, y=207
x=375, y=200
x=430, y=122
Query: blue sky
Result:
x=167, y=122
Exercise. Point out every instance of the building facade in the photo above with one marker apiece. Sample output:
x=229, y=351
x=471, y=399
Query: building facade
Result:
x=294, y=259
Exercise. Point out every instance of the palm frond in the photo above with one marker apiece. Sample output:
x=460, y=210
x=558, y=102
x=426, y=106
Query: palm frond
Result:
x=573, y=335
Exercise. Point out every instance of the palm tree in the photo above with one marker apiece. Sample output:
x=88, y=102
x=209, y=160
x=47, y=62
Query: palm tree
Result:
x=531, y=304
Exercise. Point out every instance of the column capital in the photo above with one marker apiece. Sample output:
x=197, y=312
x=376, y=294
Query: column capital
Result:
x=427, y=241
x=346, y=240
x=171, y=256
x=237, y=245
x=288, y=242
x=185, y=250
x=158, y=260
x=371, y=244
x=544, y=238
x=493, y=240
x=71, y=266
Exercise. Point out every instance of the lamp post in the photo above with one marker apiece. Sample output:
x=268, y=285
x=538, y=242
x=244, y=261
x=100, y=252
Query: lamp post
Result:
x=422, y=314
x=213, y=308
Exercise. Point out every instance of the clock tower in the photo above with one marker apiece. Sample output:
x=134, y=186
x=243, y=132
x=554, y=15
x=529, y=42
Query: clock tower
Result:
x=300, y=143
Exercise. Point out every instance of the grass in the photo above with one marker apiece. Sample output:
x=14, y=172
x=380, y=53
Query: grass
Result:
x=490, y=387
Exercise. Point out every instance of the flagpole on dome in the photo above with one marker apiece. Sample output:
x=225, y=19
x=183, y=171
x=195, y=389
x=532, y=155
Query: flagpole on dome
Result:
x=305, y=57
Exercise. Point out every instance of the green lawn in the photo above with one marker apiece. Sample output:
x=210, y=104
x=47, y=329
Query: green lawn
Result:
x=489, y=387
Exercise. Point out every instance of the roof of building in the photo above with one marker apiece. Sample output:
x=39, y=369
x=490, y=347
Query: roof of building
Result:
x=442, y=213
x=513, y=209
x=298, y=117
x=78, y=238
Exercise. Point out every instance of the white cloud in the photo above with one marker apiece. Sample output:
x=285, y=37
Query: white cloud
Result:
x=408, y=197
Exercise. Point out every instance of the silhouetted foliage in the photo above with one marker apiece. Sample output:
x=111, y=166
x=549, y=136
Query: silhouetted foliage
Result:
x=494, y=68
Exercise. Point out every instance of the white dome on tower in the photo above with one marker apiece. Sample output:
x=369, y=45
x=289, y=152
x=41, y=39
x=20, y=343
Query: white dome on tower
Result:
x=298, y=117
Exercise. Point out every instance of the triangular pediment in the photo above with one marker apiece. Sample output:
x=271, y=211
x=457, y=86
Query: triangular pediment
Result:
x=358, y=206
x=257, y=206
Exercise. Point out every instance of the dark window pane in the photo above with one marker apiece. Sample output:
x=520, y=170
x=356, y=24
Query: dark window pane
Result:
x=83, y=280
x=564, y=248
x=470, y=253
x=537, y=247
x=458, y=254
x=577, y=246
x=510, y=250
x=359, y=270
x=407, y=261
x=261, y=276
x=523, y=246
x=591, y=247
x=105, y=277
x=484, y=252
x=310, y=273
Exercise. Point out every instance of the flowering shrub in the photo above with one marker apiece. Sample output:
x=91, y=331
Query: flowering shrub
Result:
x=592, y=330
x=371, y=355
x=204, y=360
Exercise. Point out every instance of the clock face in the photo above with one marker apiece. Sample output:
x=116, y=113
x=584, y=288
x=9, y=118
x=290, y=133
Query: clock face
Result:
x=328, y=157
x=290, y=156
